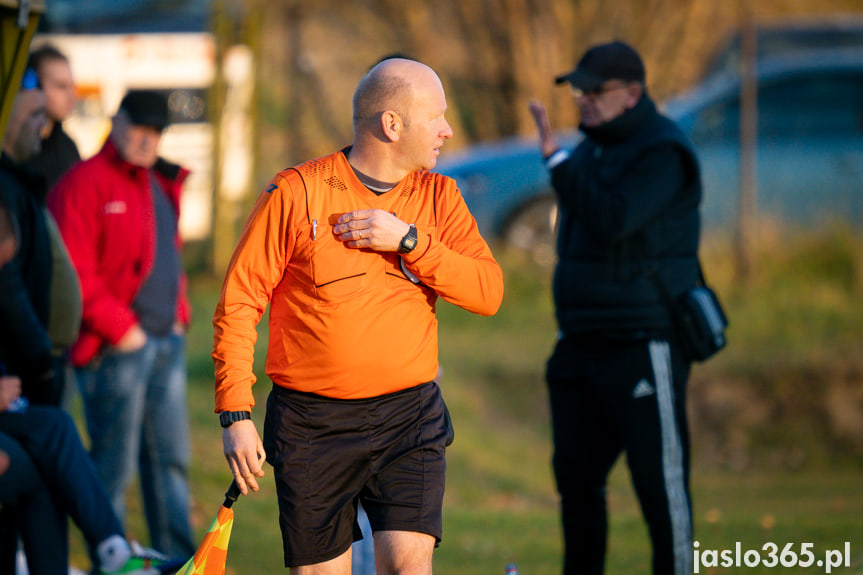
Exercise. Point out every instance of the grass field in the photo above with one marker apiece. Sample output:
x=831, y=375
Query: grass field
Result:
x=500, y=502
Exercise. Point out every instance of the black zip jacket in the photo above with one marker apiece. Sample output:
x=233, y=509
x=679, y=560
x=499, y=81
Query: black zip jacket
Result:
x=629, y=196
x=25, y=283
x=58, y=154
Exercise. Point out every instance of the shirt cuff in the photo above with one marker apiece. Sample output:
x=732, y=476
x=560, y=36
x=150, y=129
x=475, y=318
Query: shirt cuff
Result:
x=556, y=159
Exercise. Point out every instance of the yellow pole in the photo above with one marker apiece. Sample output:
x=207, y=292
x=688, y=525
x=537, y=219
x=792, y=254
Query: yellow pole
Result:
x=18, y=22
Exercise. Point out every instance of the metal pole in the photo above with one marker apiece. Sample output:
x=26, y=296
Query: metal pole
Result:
x=748, y=199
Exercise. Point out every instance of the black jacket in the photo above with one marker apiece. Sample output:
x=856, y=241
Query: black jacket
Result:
x=25, y=282
x=59, y=153
x=629, y=196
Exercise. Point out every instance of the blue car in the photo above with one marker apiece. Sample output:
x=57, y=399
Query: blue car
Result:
x=809, y=158
x=809, y=152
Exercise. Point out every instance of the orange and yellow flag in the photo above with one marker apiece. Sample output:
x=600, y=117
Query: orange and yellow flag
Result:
x=211, y=556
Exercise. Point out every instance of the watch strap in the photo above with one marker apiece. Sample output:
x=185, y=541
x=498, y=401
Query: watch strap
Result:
x=228, y=418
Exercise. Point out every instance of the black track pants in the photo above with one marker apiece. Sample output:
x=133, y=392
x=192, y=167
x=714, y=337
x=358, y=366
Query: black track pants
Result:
x=613, y=397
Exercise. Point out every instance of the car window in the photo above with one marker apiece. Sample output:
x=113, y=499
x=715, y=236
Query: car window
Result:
x=846, y=31
x=830, y=104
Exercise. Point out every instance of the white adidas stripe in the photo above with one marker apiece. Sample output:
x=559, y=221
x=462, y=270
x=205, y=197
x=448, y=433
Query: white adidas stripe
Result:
x=672, y=458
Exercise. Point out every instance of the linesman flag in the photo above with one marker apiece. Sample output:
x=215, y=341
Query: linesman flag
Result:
x=212, y=554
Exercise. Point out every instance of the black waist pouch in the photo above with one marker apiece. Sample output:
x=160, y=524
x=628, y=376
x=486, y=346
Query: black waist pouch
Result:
x=701, y=322
x=698, y=317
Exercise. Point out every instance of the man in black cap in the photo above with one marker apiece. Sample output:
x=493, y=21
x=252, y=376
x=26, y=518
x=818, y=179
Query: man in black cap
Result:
x=629, y=195
x=118, y=213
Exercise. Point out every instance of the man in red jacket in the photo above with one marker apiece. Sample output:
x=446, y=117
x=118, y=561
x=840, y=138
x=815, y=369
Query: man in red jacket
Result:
x=118, y=213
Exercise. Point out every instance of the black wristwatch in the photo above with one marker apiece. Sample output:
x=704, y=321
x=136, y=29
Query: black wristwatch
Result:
x=228, y=418
x=409, y=242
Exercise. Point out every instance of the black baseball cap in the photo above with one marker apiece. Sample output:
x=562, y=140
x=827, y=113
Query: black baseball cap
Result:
x=146, y=108
x=603, y=62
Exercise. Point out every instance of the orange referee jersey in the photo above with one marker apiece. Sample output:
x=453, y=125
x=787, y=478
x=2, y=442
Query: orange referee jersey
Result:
x=346, y=322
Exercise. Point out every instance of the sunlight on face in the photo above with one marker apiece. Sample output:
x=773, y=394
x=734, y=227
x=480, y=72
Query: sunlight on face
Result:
x=56, y=78
x=25, y=124
x=428, y=128
x=139, y=145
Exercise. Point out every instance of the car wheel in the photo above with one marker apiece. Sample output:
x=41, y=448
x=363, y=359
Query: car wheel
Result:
x=533, y=229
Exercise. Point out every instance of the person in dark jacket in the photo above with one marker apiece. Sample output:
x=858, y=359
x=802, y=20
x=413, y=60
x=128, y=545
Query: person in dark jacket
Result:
x=25, y=282
x=59, y=152
x=629, y=195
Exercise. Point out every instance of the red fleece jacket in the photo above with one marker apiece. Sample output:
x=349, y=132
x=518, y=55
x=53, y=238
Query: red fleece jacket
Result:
x=104, y=209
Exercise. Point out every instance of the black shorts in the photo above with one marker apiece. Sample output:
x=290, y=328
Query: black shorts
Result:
x=329, y=454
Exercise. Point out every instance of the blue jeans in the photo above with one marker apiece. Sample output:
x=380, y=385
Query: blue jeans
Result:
x=135, y=406
x=28, y=509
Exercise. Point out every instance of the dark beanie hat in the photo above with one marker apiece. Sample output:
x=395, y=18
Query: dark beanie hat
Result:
x=146, y=108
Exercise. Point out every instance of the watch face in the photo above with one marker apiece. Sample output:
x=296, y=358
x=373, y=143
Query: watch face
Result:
x=409, y=242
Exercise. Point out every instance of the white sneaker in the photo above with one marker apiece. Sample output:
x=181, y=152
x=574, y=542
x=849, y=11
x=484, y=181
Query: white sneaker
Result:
x=144, y=561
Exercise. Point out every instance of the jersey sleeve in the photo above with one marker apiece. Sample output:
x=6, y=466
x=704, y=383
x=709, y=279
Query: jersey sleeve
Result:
x=257, y=266
x=458, y=263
